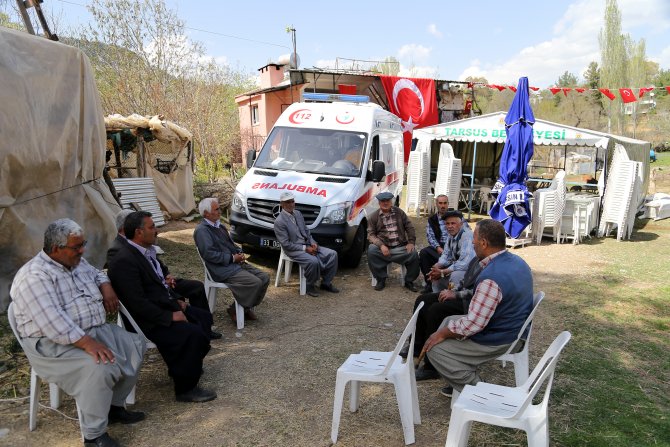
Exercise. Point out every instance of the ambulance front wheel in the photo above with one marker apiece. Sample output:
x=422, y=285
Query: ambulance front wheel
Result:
x=352, y=257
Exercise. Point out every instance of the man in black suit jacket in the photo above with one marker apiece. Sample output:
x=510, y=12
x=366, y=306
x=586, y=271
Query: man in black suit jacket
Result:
x=180, y=331
x=180, y=288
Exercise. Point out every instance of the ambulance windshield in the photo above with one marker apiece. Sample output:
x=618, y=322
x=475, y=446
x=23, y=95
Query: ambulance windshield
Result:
x=319, y=151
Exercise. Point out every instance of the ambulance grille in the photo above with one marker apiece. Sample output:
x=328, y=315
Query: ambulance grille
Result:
x=332, y=179
x=267, y=210
x=267, y=173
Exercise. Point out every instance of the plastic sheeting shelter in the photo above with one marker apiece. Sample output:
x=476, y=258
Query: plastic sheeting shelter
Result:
x=52, y=151
x=157, y=148
x=479, y=141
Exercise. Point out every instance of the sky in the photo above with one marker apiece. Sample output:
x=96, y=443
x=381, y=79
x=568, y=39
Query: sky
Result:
x=500, y=41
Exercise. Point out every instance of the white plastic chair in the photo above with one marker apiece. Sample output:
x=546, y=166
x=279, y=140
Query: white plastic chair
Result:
x=485, y=198
x=130, y=399
x=210, y=288
x=507, y=406
x=36, y=382
x=384, y=367
x=286, y=264
x=520, y=359
x=389, y=271
x=548, y=208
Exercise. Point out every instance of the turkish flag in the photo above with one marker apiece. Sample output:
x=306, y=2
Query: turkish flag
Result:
x=414, y=101
x=627, y=95
x=511, y=87
x=606, y=92
x=554, y=90
x=565, y=91
x=644, y=90
x=581, y=90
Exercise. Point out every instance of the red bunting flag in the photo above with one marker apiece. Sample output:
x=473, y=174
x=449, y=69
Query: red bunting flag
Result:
x=511, y=87
x=606, y=92
x=535, y=88
x=414, y=101
x=580, y=90
x=565, y=91
x=554, y=90
x=499, y=87
x=470, y=85
x=667, y=89
x=644, y=90
x=627, y=95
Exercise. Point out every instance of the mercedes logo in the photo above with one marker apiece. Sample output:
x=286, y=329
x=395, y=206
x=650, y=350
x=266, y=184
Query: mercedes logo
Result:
x=275, y=211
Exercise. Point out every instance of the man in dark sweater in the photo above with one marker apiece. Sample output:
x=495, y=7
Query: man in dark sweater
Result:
x=502, y=300
x=436, y=235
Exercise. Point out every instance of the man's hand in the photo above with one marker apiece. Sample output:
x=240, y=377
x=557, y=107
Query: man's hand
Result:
x=410, y=248
x=178, y=316
x=182, y=304
x=95, y=349
x=446, y=295
x=439, y=250
x=171, y=281
x=109, y=299
x=312, y=249
x=435, y=338
x=435, y=272
x=385, y=250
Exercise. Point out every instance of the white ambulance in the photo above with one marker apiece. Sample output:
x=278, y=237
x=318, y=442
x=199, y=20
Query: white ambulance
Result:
x=335, y=155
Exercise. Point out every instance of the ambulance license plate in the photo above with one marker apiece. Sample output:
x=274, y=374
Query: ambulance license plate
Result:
x=270, y=243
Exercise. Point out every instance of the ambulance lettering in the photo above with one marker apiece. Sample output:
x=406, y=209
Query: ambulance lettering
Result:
x=292, y=187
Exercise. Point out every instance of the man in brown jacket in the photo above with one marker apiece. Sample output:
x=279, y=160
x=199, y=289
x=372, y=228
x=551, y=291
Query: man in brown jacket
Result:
x=392, y=238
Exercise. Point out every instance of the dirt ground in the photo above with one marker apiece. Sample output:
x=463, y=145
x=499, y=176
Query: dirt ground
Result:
x=275, y=378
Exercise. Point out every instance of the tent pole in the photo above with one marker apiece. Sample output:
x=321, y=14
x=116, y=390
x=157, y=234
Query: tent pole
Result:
x=472, y=181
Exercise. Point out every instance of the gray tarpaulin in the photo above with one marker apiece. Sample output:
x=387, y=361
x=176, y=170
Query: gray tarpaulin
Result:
x=52, y=150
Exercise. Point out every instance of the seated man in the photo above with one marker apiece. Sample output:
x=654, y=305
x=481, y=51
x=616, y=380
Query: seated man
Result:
x=226, y=262
x=59, y=304
x=436, y=235
x=502, y=301
x=179, y=288
x=392, y=237
x=457, y=254
x=438, y=306
x=180, y=331
x=300, y=246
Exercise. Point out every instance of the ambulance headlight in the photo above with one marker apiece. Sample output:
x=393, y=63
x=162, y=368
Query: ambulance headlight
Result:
x=337, y=214
x=237, y=204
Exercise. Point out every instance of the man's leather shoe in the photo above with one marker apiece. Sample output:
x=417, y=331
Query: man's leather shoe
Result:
x=404, y=352
x=311, y=291
x=330, y=288
x=426, y=374
x=447, y=391
x=381, y=283
x=213, y=335
x=409, y=285
x=123, y=416
x=249, y=314
x=102, y=441
x=197, y=394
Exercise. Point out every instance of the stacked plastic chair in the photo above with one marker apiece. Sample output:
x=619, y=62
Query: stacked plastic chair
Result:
x=449, y=174
x=624, y=185
x=418, y=175
x=548, y=206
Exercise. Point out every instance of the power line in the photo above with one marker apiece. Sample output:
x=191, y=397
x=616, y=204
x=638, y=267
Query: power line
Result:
x=230, y=36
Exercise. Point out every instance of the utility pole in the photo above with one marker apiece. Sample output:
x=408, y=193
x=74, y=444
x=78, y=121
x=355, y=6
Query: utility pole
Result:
x=290, y=29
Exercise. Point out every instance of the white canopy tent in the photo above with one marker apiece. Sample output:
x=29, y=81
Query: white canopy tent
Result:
x=479, y=141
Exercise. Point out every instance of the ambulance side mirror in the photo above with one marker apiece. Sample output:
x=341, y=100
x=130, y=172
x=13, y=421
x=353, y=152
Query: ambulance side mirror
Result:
x=251, y=157
x=378, y=171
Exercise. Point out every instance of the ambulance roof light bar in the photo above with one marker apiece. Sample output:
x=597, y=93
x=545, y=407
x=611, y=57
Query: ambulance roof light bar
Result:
x=331, y=97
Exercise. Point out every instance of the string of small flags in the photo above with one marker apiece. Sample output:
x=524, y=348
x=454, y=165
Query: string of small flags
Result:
x=627, y=94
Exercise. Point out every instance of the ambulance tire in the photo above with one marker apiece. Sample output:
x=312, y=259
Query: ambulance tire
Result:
x=352, y=258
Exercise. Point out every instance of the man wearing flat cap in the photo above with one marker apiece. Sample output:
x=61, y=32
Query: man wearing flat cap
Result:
x=392, y=237
x=299, y=245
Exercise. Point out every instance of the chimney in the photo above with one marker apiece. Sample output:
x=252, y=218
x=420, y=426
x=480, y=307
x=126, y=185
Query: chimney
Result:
x=271, y=75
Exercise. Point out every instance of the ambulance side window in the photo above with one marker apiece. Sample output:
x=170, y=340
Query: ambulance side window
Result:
x=374, y=151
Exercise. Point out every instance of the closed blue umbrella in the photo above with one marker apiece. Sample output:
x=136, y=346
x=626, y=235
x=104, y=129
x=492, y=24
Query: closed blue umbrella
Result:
x=511, y=207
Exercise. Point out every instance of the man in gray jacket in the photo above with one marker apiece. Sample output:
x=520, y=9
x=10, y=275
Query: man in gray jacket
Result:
x=300, y=246
x=226, y=262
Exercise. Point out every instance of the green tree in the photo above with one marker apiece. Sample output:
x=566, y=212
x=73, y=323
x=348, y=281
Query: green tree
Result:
x=614, y=61
x=145, y=64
